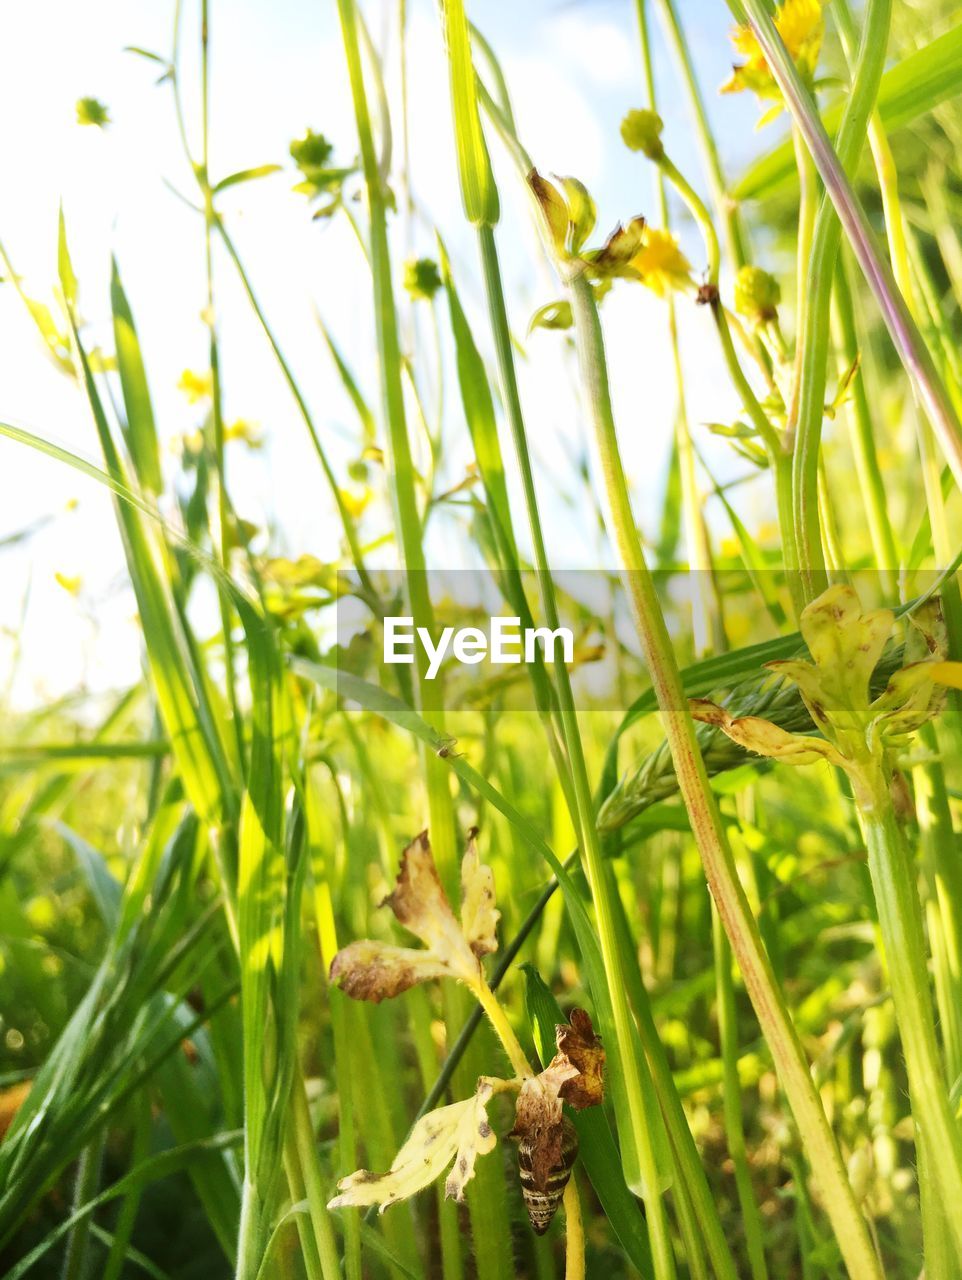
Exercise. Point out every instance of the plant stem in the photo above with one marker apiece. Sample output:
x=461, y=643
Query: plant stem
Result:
x=903, y=939
x=492, y=1007
x=574, y=1233
x=725, y=207
x=732, y=1100
x=583, y=814
x=347, y=520
x=862, y=435
x=729, y=896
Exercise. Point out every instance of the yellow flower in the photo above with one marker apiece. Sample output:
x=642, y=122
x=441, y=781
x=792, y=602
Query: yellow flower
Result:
x=71, y=583
x=800, y=25
x=247, y=432
x=196, y=386
x=660, y=264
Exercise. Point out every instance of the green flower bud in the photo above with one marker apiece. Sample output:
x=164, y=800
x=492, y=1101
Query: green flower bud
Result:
x=641, y=131
x=422, y=278
x=311, y=152
x=757, y=295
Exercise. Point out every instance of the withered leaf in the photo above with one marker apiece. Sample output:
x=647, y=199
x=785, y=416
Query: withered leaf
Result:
x=459, y=1133
x=420, y=904
x=376, y=971
x=579, y=1046
x=479, y=915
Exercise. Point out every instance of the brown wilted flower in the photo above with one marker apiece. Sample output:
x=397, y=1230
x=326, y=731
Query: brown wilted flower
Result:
x=373, y=970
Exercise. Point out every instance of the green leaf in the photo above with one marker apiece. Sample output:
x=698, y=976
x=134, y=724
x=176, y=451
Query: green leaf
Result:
x=141, y=433
x=478, y=190
x=246, y=175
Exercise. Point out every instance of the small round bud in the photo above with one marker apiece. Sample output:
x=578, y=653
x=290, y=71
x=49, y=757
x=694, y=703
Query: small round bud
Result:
x=311, y=152
x=641, y=131
x=421, y=278
x=357, y=470
x=757, y=295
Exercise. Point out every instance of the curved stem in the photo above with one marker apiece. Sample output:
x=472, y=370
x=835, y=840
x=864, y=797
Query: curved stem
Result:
x=696, y=205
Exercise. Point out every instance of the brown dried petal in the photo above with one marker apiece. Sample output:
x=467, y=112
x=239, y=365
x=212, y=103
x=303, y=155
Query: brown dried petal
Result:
x=620, y=247
x=479, y=915
x=580, y=1047
x=375, y=971
x=553, y=206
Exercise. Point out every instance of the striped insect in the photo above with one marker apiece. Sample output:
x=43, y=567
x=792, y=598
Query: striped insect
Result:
x=542, y=1187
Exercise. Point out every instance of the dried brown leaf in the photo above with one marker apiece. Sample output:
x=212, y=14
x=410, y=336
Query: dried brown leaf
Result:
x=420, y=904
x=375, y=971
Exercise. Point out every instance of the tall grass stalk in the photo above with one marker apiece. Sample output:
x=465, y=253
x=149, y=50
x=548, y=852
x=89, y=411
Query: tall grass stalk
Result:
x=481, y=207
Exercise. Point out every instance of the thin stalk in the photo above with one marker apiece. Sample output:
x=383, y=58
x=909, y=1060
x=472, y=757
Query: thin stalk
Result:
x=733, y=907
x=815, y=324
x=766, y=432
x=348, y=522
x=875, y=501
x=583, y=816
x=217, y=412
x=686, y=1154
x=710, y=626
x=944, y=905
x=732, y=1100
x=305, y=1160
x=725, y=207
x=76, y=1262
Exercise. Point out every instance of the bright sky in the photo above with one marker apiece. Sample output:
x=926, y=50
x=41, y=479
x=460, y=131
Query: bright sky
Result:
x=276, y=69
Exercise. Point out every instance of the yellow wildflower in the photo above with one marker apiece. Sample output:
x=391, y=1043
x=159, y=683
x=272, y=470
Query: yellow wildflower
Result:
x=71, y=583
x=196, y=386
x=800, y=25
x=660, y=263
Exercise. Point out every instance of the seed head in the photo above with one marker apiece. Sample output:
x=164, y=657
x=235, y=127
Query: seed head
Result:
x=641, y=131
